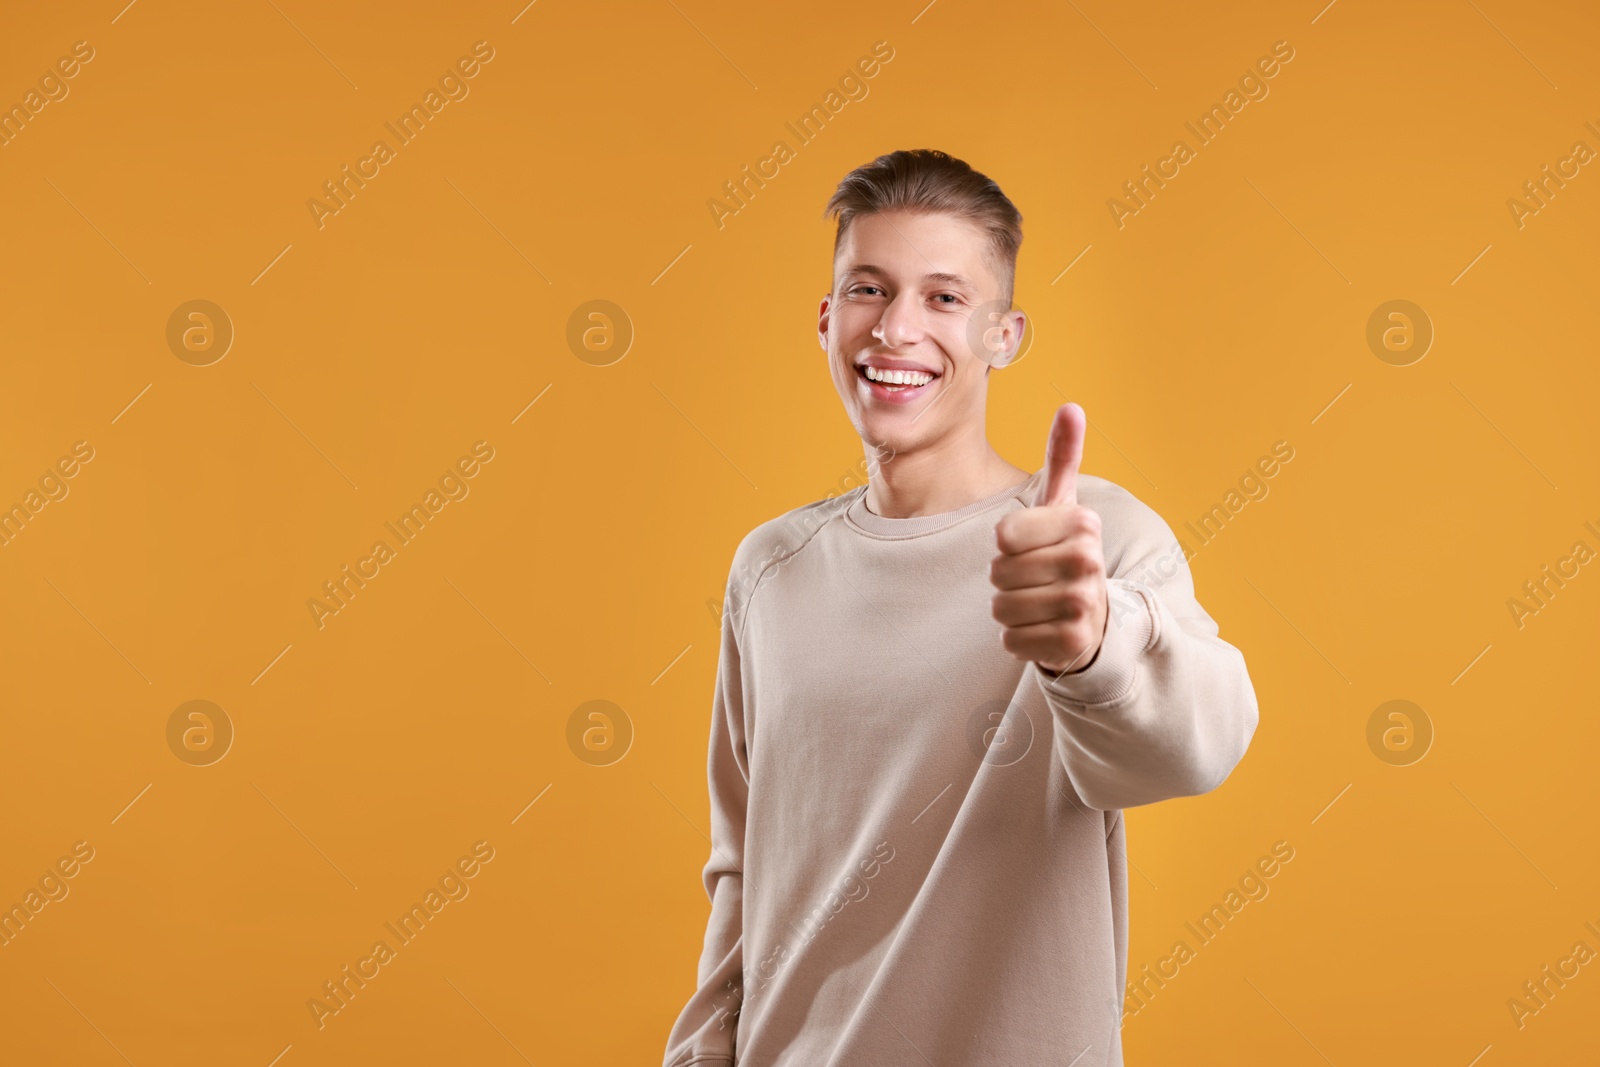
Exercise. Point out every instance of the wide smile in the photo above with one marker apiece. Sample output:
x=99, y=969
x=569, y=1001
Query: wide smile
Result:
x=902, y=387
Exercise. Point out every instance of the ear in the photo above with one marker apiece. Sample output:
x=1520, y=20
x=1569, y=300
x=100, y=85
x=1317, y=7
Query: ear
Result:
x=1018, y=321
x=823, y=315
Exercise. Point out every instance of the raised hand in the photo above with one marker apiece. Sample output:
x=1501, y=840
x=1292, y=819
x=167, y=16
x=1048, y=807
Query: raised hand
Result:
x=1050, y=573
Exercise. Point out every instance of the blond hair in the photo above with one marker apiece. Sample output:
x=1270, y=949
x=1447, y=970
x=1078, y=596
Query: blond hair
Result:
x=928, y=181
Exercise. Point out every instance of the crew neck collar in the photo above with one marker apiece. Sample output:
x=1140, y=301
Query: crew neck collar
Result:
x=876, y=525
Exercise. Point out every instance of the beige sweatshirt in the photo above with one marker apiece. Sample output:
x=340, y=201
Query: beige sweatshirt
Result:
x=917, y=844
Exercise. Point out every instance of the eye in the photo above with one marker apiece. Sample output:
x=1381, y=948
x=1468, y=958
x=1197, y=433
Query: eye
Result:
x=953, y=298
x=860, y=288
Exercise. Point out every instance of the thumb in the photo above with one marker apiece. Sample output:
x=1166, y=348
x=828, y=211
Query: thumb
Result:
x=1062, y=454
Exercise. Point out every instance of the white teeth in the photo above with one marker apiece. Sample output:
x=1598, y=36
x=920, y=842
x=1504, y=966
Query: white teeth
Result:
x=898, y=377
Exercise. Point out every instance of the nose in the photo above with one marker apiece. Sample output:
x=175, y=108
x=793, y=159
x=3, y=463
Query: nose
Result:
x=900, y=324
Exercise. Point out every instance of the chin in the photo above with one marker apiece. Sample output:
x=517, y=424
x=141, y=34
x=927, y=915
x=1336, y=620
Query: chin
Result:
x=888, y=436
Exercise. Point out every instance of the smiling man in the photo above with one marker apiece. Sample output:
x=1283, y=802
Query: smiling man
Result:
x=936, y=693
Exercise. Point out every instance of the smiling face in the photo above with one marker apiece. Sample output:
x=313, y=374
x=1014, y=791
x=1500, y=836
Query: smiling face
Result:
x=906, y=354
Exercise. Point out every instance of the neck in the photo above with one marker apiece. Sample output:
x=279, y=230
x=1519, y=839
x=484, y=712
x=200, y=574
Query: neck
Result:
x=943, y=477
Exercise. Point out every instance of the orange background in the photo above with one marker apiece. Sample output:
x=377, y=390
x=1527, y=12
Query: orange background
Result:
x=428, y=313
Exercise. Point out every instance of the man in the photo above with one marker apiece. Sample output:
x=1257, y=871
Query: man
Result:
x=937, y=691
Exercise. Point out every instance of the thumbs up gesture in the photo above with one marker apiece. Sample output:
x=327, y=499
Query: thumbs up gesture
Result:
x=1050, y=573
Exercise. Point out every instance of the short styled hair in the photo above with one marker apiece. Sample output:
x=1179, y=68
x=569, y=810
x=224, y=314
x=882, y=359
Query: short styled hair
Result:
x=928, y=181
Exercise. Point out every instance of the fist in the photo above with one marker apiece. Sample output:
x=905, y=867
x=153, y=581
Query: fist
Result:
x=1050, y=573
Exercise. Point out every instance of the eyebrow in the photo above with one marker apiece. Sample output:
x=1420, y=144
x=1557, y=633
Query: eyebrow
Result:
x=957, y=280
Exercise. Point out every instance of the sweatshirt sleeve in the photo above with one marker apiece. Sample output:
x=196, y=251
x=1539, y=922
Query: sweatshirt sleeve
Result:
x=1166, y=708
x=704, y=1031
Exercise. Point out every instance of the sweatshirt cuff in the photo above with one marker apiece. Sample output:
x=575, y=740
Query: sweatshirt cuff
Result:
x=1130, y=626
